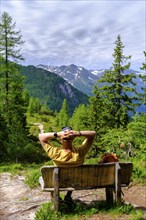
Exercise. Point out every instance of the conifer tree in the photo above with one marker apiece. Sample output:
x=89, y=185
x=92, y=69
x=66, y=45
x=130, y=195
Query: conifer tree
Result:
x=80, y=118
x=34, y=106
x=118, y=88
x=12, y=106
x=63, y=115
x=10, y=46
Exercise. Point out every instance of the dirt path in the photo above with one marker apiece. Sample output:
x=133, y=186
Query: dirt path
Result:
x=19, y=202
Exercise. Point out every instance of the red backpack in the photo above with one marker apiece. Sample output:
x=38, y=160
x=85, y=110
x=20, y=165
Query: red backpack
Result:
x=108, y=157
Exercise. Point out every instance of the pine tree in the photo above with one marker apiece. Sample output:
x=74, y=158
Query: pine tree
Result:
x=118, y=89
x=63, y=115
x=80, y=118
x=10, y=45
x=34, y=106
x=12, y=103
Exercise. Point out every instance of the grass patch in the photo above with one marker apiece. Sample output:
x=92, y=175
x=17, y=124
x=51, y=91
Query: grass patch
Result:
x=12, y=168
x=79, y=210
x=30, y=171
x=32, y=178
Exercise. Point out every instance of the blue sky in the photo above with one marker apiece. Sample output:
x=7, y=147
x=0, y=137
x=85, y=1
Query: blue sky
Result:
x=82, y=32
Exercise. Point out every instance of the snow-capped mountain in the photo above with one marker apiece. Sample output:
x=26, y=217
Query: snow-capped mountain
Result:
x=83, y=79
x=97, y=72
x=79, y=77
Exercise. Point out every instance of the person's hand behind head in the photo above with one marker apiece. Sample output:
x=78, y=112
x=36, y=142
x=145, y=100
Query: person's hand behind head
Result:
x=68, y=135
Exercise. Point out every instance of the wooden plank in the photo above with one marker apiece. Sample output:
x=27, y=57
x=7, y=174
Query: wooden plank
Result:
x=47, y=174
x=86, y=176
x=56, y=188
x=105, y=175
x=60, y=189
x=126, y=172
x=91, y=177
x=118, y=184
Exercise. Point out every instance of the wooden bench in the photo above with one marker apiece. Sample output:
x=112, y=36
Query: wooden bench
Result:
x=111, y=176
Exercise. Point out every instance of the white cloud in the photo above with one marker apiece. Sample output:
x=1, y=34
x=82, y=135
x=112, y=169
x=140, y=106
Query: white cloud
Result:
x=79, y=32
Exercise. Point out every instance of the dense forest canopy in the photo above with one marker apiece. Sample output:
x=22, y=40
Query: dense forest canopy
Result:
x=107, y=111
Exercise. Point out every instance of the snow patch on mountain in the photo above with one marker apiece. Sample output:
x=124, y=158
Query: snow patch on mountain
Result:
x=83, y=79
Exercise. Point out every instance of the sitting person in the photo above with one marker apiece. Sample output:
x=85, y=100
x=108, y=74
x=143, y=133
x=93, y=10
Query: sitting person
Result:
x=67, y=155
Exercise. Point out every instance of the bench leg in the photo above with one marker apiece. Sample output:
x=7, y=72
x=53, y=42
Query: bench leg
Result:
x=118, y=197
x=55, y=199
x=109, y=196
x=52, y=197
x=56, y=189
x=118, y=185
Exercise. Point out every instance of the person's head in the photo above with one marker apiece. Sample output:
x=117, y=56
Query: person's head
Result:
x=67, y=140
x=66, y=128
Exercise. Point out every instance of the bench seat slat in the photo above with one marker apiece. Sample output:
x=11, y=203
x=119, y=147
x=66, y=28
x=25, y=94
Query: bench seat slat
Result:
x=73, y=189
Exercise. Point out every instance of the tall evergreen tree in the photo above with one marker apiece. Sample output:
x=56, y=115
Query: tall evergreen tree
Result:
x=12, y=103
x=10, y=46
x=80, y=118
x=98, y=112
x=98, y=119
x=118, y=88
x=63, y=115
x=34, y=106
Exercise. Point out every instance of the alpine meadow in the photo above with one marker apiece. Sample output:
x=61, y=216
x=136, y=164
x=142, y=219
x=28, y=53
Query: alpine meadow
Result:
x=30, y=96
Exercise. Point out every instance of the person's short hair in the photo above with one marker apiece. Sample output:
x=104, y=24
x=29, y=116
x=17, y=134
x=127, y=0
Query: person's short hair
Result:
x=66, y=128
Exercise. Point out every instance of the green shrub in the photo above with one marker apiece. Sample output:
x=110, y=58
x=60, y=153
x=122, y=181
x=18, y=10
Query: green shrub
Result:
x=139, y=171
x=12, y=168
x=32, y=178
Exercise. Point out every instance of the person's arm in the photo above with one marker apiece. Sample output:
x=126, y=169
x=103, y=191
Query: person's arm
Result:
x=87, y=143
x=88, y=134
x=51, y=150
x=71, y=133
x=45, y=137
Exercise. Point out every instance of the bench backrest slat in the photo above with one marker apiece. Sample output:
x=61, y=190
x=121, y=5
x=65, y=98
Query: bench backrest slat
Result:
x=87, y=176
x=126, y=172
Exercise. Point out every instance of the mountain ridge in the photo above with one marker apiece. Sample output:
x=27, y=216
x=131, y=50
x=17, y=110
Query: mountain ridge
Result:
x=51, y=89
x=83, y=79
x=72, y=83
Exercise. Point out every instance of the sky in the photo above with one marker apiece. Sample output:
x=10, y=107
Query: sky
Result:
x=80, y=32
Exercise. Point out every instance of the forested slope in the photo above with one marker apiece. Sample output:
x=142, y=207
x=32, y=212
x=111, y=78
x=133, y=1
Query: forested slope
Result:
x=51, y=89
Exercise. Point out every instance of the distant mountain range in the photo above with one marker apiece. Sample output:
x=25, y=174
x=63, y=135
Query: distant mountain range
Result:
x=52, y=84
x=83, y=79
x=51, y=89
